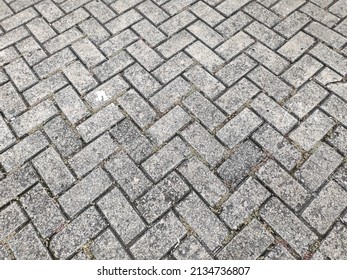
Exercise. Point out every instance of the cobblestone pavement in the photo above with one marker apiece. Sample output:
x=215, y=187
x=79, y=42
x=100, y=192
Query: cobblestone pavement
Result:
x=171, y=129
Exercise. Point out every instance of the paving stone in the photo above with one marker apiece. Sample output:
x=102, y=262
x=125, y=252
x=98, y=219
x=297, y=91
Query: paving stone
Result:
x=152, y=12
x=204, y=222
x=175, y=44
x=326, y=207
x=243, y=203
x=19, y=19
x=123, y=21
x=4, y=253
x=16, y=183
x=204, y=110
x=279, y=147
x=161, y=197
x=99, y=122
x=128, y=175
x=268, y=58
x=307, y=98
x=32, y=52
x=174, y=6
x=92, y=154
x=106, y=92
x=285, y=7
x=63, y=40
x=71, y=5
x=34, y=118
x=284, y=185
x=312, y=130
x=20, y=74
x=85, y=192
x=5, y=10
x=327, y=76
x=273, y=113
x=12, y=37
x=279, y=253
x=166, y=159
x=121, y=215
x=11, y=104
x=177, y=22
x=203, y=180
x=191, y=249
x=107, y=247
x=71, y=105
x=88, y=53
x=239, y=128
x=170, y=95
x=240, y=163
x=236, y=69
x=49, y=10
x=229, y=6
x=334, y=246
x=149, y=32
x=336, y=107
x=318, y=167
x=233, y=24
x=100, y=11
x=159, y=239
x=320, y=14
x=262, y=14
x=77, y=233
x=11, y=218
x=206, y=34
x=204, y=81
x=132, y=140
x=70, y=20
x=42, y=210
x=168, y=125
x=249, y=244
x=6, y=136
x=53, y=170
x=7, y=55
x=288, y=226
x=210, y=16
x=339, y=89
x=63, y=137
x=123, y=5
x=23, y=150
x=210, y=60
x=137, y=108
x=27, y=246
x=118, y=42
x=339, y=139
x=292, y=24
x=94, y=30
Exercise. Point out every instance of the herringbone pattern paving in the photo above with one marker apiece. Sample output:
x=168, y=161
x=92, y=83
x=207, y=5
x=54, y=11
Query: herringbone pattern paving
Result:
x=171, y=129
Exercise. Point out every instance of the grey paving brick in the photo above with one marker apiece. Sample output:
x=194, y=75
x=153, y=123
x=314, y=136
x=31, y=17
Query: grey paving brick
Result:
x=7, y=55
x=318, y=167
x=262, y=14
x=149, y=32
x=88, y=53
x=168, y=125
x=121, y=6
x=20, y=74
x=6, y=136
x=177, y=22
x=191, y=249
x=339, y=88
x=132, y=140
x=32, y=52
x=107, y=247
x=49, y=10
x=159, y=239
x=19, y=19
x=11, y=104
x=203, y=180
x=243, y=203
x=292, y=24
x=77, y=233
x=99, y=122
x=240, y=163
x=273, y=113
x=233, y=24
x=279, y=147
x=166, y=159
x=106, y=92
x=336, y=107
x=152, y=12
x=123, y=21
x=42, y=210
x=284, y=185
x=268, y=58
x=34, y=118
x=16, y=183
x=117, y=42
x=288, y=226
x=100, y=11
x=85, y=192
x=342, y=27
x=285, y=7
x=210, y=15
x=203, y=221
x=161, y=197
x=176, y=43
x=53, y=170
x=21, y=5
x=71, y=105
x=41, y=30
x=128, y=175
x=121, y=215
x=11, y=218
x=13, y=36
x=319, y=14
x=339, y=139
x=206, y=34
x=54, y=63
x=204, y=110
x=334, y=246
x=307, y=98
x=209, y=59
x=339, y=8
x=229, y=6
x=326, y=207
x=23, y=150
x=249, y=244
x=113, y=66
x=70, y=20
x=279, y=253
x=63, y=137
x=4, y=252
x=94, y=30
x=312, y=130
x=27, y=246
x=5, y=10
x=92, y=154
x=239, y=127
